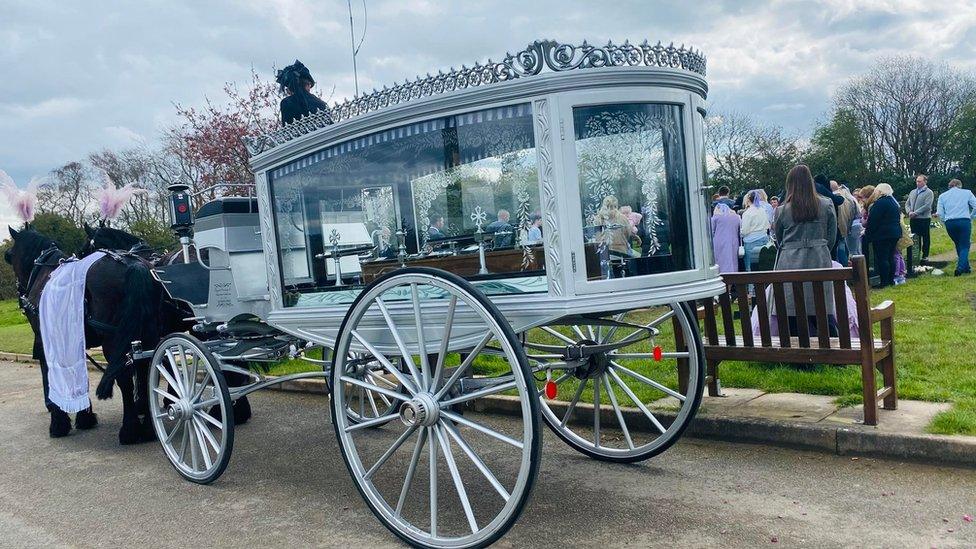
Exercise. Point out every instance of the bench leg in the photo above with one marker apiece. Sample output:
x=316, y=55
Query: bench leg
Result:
x=714, y=385
x=888, y=374
x=870, y=394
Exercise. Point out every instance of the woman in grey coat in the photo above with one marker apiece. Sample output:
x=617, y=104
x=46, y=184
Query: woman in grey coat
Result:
x=805, y=229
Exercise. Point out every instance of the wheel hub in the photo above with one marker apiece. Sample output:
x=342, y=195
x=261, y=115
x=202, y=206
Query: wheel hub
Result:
x=420, y=410
x=593, y=365
x=178, y=410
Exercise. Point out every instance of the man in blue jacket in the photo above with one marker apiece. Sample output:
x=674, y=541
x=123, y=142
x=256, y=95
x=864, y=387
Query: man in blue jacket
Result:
x=957, y=209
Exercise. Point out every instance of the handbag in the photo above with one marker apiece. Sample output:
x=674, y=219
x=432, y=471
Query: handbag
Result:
x=742, y=251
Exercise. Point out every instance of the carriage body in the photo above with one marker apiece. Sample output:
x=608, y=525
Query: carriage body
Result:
x=553, y=145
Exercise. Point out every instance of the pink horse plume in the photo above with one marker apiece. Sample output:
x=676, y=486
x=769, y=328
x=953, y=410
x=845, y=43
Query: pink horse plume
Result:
x=23, y=201
x=111, y=200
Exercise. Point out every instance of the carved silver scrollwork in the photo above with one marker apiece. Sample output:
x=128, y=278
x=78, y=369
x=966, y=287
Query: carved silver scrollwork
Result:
x=534, y=59
x=543, y=127
x=270, y=250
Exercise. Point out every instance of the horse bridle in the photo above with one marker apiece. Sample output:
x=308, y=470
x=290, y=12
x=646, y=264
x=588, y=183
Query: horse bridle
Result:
x=43, y=260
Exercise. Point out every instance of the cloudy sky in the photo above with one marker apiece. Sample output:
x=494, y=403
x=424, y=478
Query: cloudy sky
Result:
x=78, y=76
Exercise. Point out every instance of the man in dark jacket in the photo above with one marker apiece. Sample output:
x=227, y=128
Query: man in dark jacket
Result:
x=296, y=82
x=883, y=232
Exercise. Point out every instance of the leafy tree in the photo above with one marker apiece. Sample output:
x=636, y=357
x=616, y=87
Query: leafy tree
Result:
x=838, y=150
x=961, y=144
x=64, y=231
x=8, y=282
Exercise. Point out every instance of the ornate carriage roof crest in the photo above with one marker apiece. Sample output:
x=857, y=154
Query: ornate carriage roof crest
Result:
x=538, y=56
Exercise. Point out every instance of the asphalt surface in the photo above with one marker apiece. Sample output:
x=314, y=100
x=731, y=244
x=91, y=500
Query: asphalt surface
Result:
x=287, y=486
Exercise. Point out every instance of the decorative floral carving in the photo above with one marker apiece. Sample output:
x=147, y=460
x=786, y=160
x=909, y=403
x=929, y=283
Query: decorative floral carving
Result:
x=536, y=57
x=544, y=158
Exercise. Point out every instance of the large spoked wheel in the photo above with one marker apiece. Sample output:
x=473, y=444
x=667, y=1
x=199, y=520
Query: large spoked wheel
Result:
x=186, y=387
x=620, y=388
x=441, y=474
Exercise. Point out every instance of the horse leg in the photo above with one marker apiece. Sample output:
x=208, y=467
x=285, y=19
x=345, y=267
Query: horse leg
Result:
x=147, y=431
x=86, y=419
x=131, y=427
x=60, y=421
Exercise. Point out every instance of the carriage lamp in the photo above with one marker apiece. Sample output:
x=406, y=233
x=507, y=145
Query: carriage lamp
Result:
x=181, y=214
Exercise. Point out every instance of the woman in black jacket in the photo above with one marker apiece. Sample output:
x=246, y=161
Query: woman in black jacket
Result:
x=296, y=82
x=883, y=230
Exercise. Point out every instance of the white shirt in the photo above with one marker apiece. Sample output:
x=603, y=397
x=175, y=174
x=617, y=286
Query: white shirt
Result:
x=754, y=222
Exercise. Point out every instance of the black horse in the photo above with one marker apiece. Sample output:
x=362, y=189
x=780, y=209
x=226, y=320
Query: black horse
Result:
x=174, y=312
x=122, y=305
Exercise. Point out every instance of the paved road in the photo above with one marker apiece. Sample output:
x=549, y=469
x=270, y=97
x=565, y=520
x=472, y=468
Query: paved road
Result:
x=287, y=486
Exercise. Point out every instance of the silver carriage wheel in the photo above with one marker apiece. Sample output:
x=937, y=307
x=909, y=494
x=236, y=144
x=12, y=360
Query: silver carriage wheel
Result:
x=441, y=475
x=616, y=380
x=185, y=385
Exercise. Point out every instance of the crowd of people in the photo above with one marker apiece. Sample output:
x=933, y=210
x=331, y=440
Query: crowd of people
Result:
x=815, y=221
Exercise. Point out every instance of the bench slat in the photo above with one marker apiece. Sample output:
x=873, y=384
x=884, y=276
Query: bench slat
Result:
x=820, y=306
x=826, y=275
x=727, y=322
x=840, y=304
x=744, y=319
x=763, y=313
x=800, y=306
x=779, y=297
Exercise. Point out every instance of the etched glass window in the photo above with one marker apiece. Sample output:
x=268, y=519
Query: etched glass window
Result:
x=459, y=193
x=633, y=189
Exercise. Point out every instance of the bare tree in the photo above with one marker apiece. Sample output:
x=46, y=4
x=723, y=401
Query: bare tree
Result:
x=68, y=191
x=745, y=154
x=905, y=107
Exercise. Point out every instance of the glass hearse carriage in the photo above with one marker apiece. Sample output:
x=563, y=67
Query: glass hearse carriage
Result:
x=520, y=236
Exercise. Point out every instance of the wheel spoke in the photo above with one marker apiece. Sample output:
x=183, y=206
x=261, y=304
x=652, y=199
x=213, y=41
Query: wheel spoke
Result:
x=421, y=341
x=386, y=455
x=184, y=363
x=411, y=469
x=442, y=353
x=464, y=365
x=395, y=332
x=201, y=445
x=648, y=381
x=169, y=437
x=596, y=413
x=638, y=402
x=616, y=409
x=209, y=419
x=165, y=394
x=179, y=375
x=207, y=378
x=369, y=423
x=473, y=456
x=378, y=389
x=662, y=318
x=395, y=372
x=551, y=331
x=432, y=453
x=207, y=434
x=573, y=403
x=206, y=403
x=169, y=379
x=183, y=443
x=456, y=476
x=372, y=404
x=491, y=390
x=481, y=428
x=579, y=332
x=193, y=445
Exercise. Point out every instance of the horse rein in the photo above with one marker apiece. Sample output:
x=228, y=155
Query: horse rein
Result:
x=43, y=260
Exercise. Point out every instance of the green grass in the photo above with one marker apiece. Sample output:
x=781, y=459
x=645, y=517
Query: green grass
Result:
x=960, y=420
x=15, y=334
x=10, y=314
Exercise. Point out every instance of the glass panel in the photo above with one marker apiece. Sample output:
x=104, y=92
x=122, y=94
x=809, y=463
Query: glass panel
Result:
x=458, y=193
x=633, y=189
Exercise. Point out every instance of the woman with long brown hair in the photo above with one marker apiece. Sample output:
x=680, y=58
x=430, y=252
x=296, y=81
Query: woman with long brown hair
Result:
x=805, y=229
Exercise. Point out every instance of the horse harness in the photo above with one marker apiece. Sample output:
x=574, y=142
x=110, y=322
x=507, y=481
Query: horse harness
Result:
x=54, y=257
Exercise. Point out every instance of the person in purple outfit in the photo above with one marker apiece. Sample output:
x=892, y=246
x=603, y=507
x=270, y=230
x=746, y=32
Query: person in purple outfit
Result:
x=725, y=238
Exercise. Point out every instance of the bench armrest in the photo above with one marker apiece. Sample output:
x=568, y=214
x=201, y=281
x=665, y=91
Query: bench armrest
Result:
x=883, y=311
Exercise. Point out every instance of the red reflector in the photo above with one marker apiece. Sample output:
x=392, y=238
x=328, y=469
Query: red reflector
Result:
x=657, y=354
x=551, y=389
x=181, y=208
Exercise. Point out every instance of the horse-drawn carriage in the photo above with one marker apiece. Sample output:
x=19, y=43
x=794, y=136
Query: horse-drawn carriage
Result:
x=457, y=244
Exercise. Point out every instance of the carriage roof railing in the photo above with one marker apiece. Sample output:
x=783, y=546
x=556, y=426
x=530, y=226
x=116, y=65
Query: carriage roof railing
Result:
x=537, y=57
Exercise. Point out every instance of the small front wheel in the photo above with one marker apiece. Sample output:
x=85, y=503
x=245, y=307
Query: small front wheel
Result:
x=186, y=391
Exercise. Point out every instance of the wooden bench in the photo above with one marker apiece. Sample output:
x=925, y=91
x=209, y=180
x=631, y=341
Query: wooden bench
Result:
x=802, y=347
